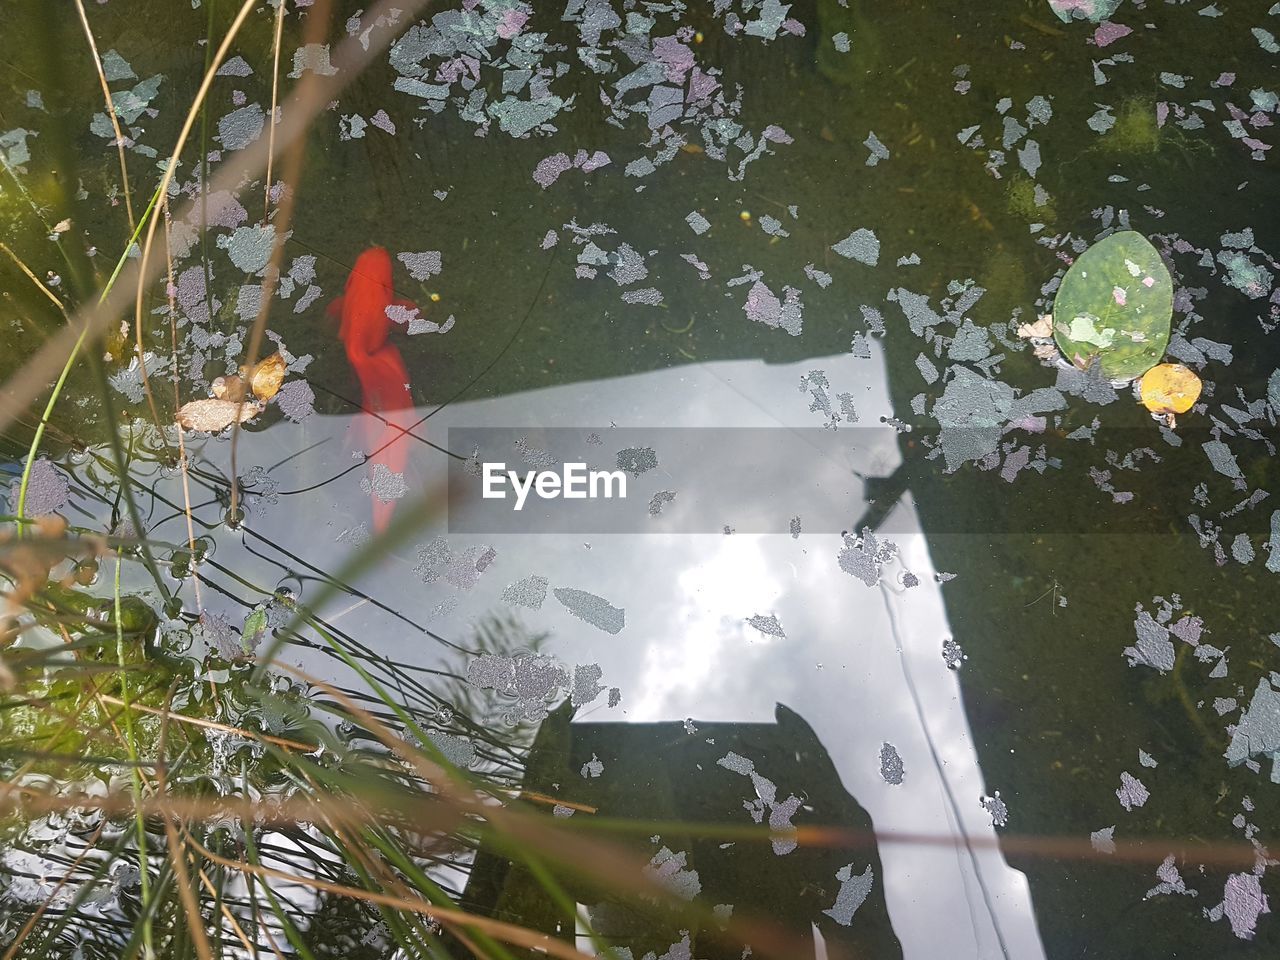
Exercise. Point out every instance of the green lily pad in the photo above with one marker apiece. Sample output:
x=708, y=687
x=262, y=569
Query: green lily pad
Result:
x=1116, y=305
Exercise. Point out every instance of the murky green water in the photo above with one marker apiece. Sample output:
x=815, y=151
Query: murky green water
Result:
x=662, y=221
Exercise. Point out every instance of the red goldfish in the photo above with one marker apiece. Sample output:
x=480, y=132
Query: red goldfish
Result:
x=384, y=383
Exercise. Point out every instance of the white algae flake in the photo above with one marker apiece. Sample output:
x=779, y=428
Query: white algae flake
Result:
x=864, y=556
x=384, y=484
x=766, y=801
x=422, y=266
x=1170, y=881
x=1154, y=648
x=239, y=128
x=530, y=682
x=852, y=894
x=1131, y=792
x=296, y=400
x=594, y=610
x=763, y=306
x=249, y=247
x=670, y=870
x=529, y=592
x=47, y=490
x=891, y=767
x=769, y=625
x=1243, y=902
x=861, y=245
x=1258, y=732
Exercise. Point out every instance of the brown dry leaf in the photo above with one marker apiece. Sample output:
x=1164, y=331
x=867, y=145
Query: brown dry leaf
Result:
x=1169, y=388
x=1045, y=351
x=1042, y=328
x=211, y=416
x=266, y=376
x=229, y=388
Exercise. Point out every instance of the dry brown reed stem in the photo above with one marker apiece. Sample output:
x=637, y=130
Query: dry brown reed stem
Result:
x=177, y=403
x=111, y=114
x=124, y=180
x=226, y=912
x=275, y=98
x=177, y=848
x=446, y=916
x=32, y=277
x=317, y=30
x=214, y=725
x=350, y=58
x=62, y=882
x=143, y=278
x=421, y=814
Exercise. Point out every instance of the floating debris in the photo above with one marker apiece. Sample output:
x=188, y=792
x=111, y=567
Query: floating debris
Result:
x=266, y=376
x=637, y=460
x=862, y=245
x=1170, y=881
x=592, y=609
x=1169, y=388
x=1242, y=903
x=891, y=768
x=997, y=809
x=1114, y=306
x=765, y=801
x=670, y=870
x=1103, y=840
x=239, y=128
x=296, y=400
x=1131, y=792
x=422, y=266
x=384, y=483
x=769, y=625
x=48, y=490
x=1258, y=732
x=852, y=894
x=213, y=416
x=529, y=592
x=864, y=556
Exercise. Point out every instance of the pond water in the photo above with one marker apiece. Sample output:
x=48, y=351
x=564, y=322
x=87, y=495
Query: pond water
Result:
x=916, y=633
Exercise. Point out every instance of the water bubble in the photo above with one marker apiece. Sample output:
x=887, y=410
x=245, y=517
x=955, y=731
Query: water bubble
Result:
x=952, y=655
x=205, y=547
x=444, y=714
x=289, y=588
x=86, y=573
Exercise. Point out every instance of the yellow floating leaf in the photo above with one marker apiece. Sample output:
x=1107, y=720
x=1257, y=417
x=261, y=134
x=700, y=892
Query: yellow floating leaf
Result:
x=1169, y=388
x=266, y=376
x=211, y=416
